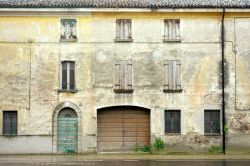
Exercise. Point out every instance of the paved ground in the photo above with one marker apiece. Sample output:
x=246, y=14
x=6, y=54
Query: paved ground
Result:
x=136, y=163
x=125, y=160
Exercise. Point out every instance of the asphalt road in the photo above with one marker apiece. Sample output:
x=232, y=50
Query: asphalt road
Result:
x=133, y=163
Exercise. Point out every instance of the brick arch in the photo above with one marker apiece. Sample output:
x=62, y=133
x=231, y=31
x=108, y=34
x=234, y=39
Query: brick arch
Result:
x=57, y=109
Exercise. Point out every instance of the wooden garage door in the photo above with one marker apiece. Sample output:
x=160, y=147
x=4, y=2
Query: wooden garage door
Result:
x=120, y=129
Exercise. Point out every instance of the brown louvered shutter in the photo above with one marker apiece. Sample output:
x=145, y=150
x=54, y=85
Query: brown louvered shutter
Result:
x=118, y=75
x=128, y=75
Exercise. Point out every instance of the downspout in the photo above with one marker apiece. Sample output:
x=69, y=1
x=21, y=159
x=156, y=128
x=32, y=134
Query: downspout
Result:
x=223, y=80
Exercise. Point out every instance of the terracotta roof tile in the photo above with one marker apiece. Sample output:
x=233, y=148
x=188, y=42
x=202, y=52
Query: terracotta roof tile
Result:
x=125, y=3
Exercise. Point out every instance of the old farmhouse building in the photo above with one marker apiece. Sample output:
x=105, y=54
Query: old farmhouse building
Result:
x=107, y=75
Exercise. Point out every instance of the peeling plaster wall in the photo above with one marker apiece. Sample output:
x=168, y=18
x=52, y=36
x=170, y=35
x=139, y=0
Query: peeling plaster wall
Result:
x=94, y=54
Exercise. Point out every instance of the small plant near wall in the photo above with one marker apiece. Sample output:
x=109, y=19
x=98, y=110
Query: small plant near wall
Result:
x=159, y=144
x=215, y=149
x=147, y=148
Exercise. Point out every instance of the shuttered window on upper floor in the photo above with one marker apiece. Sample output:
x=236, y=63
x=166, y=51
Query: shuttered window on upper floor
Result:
x=123, y=30
x=68, y=75
x=212, y=121
x=123, y=76
x=172, y=76
x=171, y=30
x=9, y=122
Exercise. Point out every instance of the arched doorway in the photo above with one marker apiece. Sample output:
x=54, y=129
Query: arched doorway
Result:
x=67, y=131
x=122, y=128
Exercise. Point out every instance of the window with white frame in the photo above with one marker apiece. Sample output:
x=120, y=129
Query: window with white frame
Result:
x=68, y=75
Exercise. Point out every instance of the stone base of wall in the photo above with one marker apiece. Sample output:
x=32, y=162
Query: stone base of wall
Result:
x=25, y=144
x=238, y=144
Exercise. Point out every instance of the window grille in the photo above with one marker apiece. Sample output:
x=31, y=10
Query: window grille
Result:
x=172, y=121
x=212, y=121
x=9, y=122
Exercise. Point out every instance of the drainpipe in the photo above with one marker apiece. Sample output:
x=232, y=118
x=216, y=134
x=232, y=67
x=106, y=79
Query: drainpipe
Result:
x=223, y=79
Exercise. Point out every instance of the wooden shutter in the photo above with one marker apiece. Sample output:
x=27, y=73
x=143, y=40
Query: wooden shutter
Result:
x=64, y=75
x=118, y=28
x=128, y=75
x=177, y=75
x=72, y=75
x=177, y=29
x=172, y=75
x=118, y=75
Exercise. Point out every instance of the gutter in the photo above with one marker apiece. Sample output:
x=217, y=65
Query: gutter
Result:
x=223, y=79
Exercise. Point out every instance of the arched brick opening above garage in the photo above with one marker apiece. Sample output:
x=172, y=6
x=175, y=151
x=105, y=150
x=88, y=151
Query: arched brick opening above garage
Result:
x=121, y=128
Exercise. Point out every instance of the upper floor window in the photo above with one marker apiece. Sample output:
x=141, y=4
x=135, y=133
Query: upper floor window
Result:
x=212, y=121
x=172, y=75
x=9, y=122
x=123, y=76
x=172, y=121
x=68, y=30
x=68, y=76
x=123, y=30
x=172, y=30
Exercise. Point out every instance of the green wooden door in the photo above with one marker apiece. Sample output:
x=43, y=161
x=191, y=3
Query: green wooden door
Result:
x=67, y=131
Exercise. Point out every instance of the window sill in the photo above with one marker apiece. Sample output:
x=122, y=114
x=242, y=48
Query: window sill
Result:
x=172, y=91
x=123, y=40
x=67, y=91
x=68, y=40
x=123, y=90
x=212, y=134
x=9, y=135
x=172, y=40
x=172, y=134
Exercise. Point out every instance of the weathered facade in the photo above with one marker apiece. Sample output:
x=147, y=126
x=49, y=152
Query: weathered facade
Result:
x=34, y=44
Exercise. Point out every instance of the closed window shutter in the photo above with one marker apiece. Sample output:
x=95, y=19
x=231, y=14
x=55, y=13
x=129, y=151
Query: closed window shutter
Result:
x=166, y=30
x=118, y=75
x=128, y=75
x=177, y=29
x=72, y=75
x=172, y=75
x=118, y=28
x=64, y=75
x=166, y=75
x=177, y=75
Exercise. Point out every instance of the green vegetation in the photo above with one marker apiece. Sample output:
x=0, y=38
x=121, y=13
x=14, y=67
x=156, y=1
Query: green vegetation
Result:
x=159, y=144
x=215, y=149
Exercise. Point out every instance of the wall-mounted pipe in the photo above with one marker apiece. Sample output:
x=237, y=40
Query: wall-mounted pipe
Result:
x=223, y=79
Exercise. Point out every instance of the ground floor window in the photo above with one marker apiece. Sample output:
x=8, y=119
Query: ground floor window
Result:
x=212, y=121
x=172, y=121
x=9, y=122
